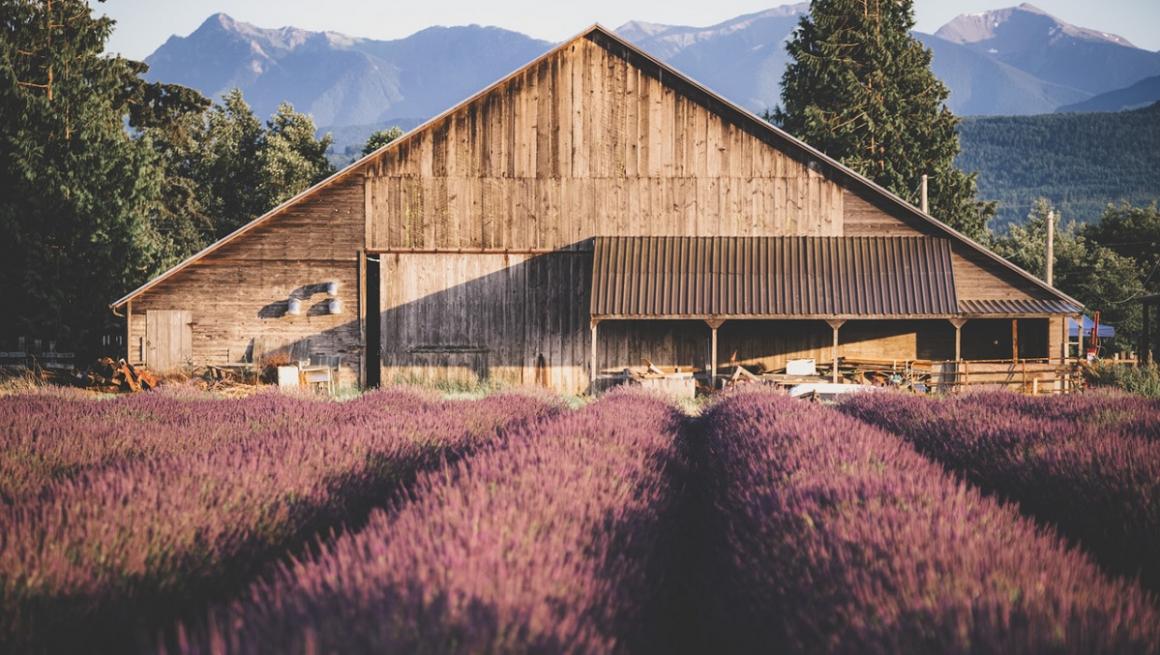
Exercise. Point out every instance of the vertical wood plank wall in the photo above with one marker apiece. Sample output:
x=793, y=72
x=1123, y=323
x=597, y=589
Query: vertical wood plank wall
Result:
x=583, y=144
x=588, y=143
x=513, y=318
x=238, y=293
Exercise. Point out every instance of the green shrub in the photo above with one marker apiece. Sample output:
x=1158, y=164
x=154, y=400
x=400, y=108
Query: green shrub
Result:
x=1143, y=380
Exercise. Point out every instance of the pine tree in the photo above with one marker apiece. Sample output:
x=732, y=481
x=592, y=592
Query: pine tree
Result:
x=77, y=192
x=859, y=87
x=242, y=169
x=228, y=171
x=169, y=120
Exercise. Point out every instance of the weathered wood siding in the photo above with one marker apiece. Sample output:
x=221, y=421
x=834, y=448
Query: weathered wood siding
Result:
x=976, y=276
x=237, y=294
x=513, y=318
x=593, y=141
x=586, y=143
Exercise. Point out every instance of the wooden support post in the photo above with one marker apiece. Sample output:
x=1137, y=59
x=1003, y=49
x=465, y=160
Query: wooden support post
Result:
x=592, y=370
x=958, y=323
x=362, y=320
x=129, y=330
x=835, y=324
x=713, y=324
x=713, y=362
x=1014, y=340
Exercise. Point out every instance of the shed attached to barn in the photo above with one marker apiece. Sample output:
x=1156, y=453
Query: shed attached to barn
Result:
x=591, y=210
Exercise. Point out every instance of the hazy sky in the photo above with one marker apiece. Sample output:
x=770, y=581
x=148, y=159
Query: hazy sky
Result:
x=143, y=25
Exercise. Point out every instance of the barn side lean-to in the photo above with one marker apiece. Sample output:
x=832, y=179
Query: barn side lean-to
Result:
x=590, y=211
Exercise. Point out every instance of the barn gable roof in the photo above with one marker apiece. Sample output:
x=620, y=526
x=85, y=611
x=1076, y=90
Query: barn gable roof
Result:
x=687, y=85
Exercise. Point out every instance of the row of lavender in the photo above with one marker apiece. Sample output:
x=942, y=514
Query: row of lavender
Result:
x=46, y=439
x=831, y=536
x=546, y=543
x=821, y=534
x=169, y=502
x=1087, y=464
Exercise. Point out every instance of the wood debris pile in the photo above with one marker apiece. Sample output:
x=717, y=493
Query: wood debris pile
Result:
x=674, y=380
x=229, y=382
x=111, y=376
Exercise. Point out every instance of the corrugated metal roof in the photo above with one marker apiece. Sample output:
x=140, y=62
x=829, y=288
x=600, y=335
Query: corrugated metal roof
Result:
x=1017, y=306
x=670, y=277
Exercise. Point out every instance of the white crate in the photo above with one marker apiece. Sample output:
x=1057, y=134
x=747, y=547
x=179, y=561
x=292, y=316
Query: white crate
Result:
x=288, y=377
x=801, y=367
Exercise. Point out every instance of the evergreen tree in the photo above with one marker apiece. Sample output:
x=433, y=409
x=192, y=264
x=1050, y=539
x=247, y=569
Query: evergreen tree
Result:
x=77, y=192
x=106, y=179
x=228, y=171
x=243, y=169
x=169, y=120
x=381, y=138
x=859, y=87
x=1133, y=232
x=291, y=158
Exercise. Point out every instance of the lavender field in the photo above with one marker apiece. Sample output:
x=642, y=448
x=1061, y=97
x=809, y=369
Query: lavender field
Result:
x=398, y=522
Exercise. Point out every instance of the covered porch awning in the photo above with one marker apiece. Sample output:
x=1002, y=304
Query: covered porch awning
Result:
x=831, y=279
x=772, y=277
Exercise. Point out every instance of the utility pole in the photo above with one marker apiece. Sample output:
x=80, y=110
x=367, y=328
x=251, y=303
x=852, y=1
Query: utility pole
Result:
x=1050, y=248
x=925, y=203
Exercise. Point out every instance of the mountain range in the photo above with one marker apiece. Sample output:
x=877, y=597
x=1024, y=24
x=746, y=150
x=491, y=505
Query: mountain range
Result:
x=338, y=79
x=1011, y=61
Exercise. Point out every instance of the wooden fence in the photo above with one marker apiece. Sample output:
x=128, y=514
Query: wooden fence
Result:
x=1033, y=376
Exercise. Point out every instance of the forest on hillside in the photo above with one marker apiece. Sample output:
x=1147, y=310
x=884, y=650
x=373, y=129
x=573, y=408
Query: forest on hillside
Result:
x=1079, y=162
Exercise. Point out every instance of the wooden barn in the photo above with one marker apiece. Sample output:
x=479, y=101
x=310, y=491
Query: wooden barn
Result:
x=590, y=211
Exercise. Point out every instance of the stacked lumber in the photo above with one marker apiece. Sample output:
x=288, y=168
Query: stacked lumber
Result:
x=105, y=374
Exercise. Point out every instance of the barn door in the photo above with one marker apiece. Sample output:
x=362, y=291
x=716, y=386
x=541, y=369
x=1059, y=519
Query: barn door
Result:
x=168, y=340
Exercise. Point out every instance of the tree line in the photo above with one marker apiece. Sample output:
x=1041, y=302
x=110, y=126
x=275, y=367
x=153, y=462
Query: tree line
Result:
x=1081, y=162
